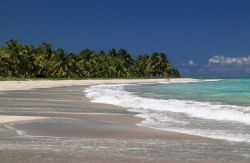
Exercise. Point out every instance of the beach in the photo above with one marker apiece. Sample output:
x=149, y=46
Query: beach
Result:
x=30, y=84
x=54, y=121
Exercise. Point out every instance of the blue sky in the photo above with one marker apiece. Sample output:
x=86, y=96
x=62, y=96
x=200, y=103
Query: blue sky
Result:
x=203, y=38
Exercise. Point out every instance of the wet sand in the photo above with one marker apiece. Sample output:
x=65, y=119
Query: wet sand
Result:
x=75, y=130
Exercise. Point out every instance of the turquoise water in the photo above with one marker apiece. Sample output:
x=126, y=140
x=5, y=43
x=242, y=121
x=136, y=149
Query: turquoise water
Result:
x=227, y=91
x=211, y=108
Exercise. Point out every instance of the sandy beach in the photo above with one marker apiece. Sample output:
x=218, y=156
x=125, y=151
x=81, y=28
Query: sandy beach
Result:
x=53, y=121
x=25, y=85
x=8, y=119
x=138, y=132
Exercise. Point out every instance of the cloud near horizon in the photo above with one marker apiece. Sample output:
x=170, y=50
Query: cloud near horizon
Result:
x=221, y=59
x=229, y=66
x=191, y=63
x=219, y=66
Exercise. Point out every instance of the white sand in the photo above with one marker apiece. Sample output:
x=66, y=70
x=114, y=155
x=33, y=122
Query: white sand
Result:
x=24, y=85
x=8, y=119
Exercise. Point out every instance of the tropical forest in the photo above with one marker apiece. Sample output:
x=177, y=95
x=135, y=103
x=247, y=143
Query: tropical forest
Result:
x=44, y=61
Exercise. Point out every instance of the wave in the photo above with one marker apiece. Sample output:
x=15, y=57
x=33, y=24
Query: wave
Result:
x=215, y=134
x=147, y=107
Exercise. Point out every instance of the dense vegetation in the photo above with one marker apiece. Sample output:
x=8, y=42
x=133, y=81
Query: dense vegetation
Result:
x=18, y=60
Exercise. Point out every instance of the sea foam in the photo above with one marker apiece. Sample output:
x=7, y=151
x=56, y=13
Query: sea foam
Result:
x=152, y=110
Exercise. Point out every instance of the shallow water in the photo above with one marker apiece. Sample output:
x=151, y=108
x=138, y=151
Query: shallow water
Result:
x=211, y=108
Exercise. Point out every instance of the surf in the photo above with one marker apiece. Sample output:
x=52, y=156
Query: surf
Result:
x=175, y=114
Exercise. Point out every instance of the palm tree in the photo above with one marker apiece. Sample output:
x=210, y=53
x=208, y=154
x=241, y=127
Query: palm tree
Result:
x=159, y=62
x=121, y=70
x=59, y=63
x=5, y=63
x=42, y=57
x=143, y=66
x=112, y=53
x=27, y=60
x=46, y=49
x=72, y=64
x=14, y=49
x=126, y=58
x=86, y=54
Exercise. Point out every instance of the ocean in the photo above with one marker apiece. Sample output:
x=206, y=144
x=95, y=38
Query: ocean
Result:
x=217, y=108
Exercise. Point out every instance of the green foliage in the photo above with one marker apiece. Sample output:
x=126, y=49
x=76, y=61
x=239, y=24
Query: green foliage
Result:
x=25, y=61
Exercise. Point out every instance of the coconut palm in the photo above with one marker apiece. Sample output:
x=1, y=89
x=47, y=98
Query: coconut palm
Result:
x=159, y=62
x=27, y=61
x=5, y=63
x=126, y=58
x=143, y=66
x=14, y=48
x=59, y=63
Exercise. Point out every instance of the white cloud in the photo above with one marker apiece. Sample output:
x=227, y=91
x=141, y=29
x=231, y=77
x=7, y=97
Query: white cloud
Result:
x=220, y=59
x=229, y=66
x=191, y=63
x=218, y=66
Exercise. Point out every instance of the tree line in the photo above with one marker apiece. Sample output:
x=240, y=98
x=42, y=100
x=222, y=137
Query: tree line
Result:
x=20, y=60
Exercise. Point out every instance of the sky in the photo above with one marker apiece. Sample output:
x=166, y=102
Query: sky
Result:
x=203, y=38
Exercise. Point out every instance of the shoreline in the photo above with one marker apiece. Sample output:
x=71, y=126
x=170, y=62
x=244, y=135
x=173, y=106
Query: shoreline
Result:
x=76, y=130
x=33, y=84
x=45, y=84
